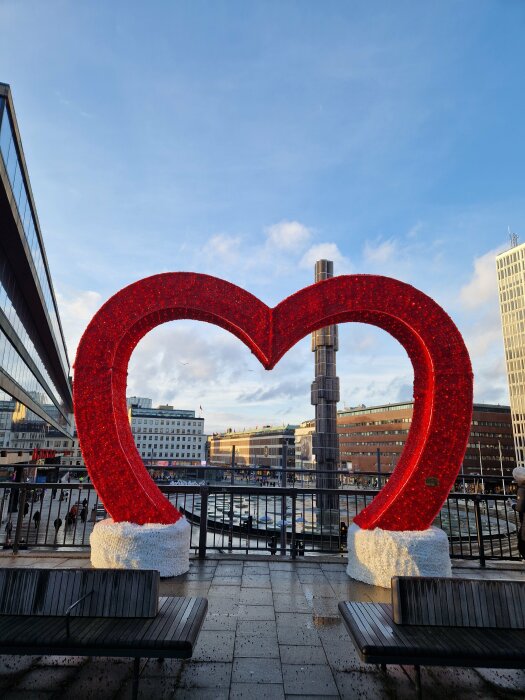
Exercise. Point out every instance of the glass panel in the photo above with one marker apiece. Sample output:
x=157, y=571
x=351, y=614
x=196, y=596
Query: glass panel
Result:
x=12, y=164
x=5, y=138
x=17, y=185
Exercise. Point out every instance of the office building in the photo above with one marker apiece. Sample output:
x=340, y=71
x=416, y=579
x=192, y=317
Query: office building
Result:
x=139, y=402
x=304, y=455
x=256, y=447
x=365, y=430
x=510, y=267
x=167, y=434
x=34, y=367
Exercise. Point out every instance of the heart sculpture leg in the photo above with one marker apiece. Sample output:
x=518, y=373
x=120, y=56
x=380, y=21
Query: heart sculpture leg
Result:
x=442, y=414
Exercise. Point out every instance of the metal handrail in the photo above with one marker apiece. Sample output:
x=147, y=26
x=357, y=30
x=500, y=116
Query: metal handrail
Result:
x=479, y=526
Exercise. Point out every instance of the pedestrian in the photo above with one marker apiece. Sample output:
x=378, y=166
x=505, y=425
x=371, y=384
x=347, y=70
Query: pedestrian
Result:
x=57, y=524
x=62, y=495
x=26, y=508
x=272, y=544
x=85, y=502
x=8, y=531
x=74, y=511
x=519, y=506
x=36, y=518
x=83, y=514
x=69, y=520
x=249, y=523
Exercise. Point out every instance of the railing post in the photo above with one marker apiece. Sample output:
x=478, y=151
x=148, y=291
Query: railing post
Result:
x=20, y=518
x=479, y=530
x=203, y=529
x=293, y=544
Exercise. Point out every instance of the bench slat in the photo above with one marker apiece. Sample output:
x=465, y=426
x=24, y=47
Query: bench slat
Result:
x=117, y=593
x=110, y=636
x=381, y=640
x=487, y=604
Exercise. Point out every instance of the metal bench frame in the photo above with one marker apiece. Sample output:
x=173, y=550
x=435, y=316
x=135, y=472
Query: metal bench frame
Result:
x=431, y=624
x=54, y=620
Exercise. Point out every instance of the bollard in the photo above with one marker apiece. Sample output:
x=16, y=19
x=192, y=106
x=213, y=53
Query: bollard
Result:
x=20, y=518
x=203, y=528
x=479, y=530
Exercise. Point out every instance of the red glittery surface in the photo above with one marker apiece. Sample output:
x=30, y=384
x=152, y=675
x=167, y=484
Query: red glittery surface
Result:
x=442, y=381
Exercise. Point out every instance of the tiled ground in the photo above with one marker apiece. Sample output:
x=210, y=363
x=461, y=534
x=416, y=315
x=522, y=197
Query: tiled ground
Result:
x=272, y=631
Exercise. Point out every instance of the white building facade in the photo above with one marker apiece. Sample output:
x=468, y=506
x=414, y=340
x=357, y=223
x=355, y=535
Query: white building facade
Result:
x=304, y=456
x=511, y=285
x=168, y=434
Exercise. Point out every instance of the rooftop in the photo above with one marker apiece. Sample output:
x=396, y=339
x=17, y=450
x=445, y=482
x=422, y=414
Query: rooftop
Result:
x=361, y=410
x=272, y=631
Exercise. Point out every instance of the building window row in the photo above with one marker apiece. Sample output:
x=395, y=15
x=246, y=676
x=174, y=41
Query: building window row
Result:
x=374, y=433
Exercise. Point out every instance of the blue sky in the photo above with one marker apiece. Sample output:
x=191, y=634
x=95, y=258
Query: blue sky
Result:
x=246, y=140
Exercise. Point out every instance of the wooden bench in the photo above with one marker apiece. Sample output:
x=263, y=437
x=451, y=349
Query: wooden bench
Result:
x=95, y=612
x=442, y=622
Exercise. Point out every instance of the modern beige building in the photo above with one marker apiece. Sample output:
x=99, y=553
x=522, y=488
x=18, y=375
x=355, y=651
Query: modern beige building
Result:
x=510, y=267
x=304, y=456
x=259, y=447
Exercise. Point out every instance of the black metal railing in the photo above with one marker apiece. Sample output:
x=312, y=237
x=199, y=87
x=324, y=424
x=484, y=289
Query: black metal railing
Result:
x=250, y=518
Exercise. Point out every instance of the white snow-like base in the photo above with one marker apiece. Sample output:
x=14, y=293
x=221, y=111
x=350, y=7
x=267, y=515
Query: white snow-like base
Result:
x=165, y=548
x=374, y=556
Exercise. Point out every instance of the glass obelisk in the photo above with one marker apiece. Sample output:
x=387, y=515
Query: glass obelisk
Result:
x=324, y=396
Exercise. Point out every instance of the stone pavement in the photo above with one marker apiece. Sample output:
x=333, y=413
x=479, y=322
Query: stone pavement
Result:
x=272, y=631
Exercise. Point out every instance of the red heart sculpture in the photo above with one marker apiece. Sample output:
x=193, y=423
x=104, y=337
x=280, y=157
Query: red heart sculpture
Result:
x=442, y=413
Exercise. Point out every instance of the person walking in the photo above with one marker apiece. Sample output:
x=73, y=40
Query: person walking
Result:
x=57, y=524
x=519, y=506
x=272, y=544
x=83, y=513
x=8, y=531
x=36, y=518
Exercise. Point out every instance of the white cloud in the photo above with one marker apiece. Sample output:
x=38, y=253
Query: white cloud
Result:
x=288, y=235
x=381, y=253
x=483, y=286
x=76, y=311
x=483, y=334
x=326, y=251
x=224, y=246
x=415, y=230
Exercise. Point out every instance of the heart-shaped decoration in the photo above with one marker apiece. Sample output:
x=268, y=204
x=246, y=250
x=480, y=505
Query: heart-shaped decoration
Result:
x=442, y=413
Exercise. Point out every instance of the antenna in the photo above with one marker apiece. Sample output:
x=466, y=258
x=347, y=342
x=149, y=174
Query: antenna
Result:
x=513, y=238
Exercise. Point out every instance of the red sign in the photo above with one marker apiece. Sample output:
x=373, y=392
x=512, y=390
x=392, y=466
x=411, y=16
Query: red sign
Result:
x=43, y=454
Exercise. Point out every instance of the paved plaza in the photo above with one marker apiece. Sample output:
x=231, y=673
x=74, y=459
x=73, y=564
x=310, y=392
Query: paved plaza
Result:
x=272, y=631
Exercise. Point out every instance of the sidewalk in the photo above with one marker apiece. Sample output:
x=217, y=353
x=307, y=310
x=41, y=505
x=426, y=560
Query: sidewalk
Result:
x=272, y=631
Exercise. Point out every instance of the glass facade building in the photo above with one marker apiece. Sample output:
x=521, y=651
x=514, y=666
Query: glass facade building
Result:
x=34, y=366
x=510, y=267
